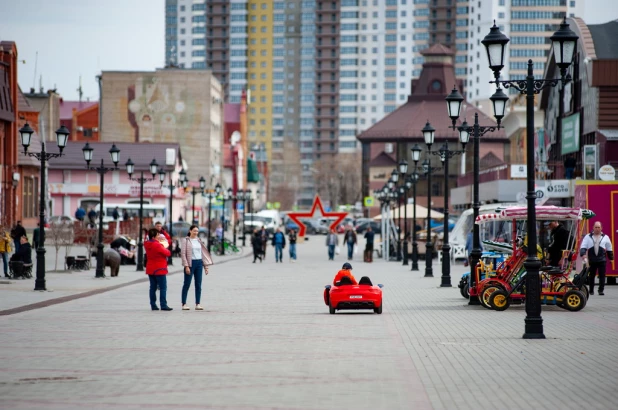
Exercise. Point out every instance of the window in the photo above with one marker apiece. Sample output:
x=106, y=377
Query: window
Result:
x=30, y=197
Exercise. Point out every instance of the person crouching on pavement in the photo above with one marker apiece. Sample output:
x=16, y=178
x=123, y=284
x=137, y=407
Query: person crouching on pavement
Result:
x=195, y=257
x=156, y=268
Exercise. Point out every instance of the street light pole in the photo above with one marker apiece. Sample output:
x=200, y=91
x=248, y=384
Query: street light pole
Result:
x=182, y=176
x=416, y=156
x=429, y=133
x=101, y=170
x=406, y=255
x=141, y=180
x=445, y=154
x=62, y=136
x=209, y=220
x=564, y=41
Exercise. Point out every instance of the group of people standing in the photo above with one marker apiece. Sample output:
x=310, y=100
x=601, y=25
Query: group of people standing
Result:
x=195, y=260
x=350, y=239
x=19, y=239
x=259, y=243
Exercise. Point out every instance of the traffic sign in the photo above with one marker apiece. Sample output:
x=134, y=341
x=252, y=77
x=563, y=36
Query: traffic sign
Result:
x=368, y=201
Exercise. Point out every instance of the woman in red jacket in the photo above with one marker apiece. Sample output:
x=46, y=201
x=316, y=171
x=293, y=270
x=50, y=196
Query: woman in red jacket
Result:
x=156, y=268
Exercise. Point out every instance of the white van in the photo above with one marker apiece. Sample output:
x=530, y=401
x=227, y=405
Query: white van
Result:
x=273, y=219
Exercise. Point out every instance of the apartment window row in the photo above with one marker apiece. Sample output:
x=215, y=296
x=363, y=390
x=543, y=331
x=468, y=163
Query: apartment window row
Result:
x=530, y=40
x=528, y=53
x=349, y=14
x=349, y=26
x=534, y=27
x=421, y=24
x=349, y=3
x=536, y=3
x=421, y=12
x=516, y=65
x=537, y=15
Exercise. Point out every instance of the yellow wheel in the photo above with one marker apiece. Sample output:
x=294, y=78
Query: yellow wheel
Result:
x=499, y=300
x=574, y=300
x=486, y=294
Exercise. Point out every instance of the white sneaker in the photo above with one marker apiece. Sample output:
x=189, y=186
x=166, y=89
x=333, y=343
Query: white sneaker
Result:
x=198, y=307
x=185, y=307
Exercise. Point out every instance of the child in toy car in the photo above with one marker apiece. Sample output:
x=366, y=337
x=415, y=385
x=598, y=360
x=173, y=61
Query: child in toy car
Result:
x=347, y=294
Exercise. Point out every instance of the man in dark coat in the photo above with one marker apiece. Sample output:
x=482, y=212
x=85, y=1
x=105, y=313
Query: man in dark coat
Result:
x=16, y=233
x=256, y=243
x=557, y=243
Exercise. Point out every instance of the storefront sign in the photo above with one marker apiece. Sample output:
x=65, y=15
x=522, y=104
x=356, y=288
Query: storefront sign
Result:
x=570, y=134
x=558, y=188
x=607, y=173
x=519, y=171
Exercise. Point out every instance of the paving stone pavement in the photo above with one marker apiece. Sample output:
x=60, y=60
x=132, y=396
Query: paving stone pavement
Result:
x=267, y=341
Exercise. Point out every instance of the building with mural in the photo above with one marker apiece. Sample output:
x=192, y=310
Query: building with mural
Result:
x=167, y=106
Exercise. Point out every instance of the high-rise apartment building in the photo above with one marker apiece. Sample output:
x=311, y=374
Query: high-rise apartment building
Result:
x=318, y=72
x=528, y=23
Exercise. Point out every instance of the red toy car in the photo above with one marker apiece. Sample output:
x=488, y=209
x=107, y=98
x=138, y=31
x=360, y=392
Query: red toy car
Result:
x=346, y=296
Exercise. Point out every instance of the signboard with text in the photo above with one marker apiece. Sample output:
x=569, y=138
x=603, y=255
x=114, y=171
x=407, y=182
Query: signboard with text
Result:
x=570, y=134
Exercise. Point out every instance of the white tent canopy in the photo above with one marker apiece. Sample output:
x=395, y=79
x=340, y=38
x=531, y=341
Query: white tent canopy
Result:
x=421, y=212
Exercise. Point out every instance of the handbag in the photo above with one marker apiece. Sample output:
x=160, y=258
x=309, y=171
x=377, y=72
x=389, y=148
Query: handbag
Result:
x=337, y=250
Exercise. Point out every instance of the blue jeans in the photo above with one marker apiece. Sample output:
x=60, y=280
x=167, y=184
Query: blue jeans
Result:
x=196, y=271
x=331, y=252
x=17, y=244
x=293, y=251
x=161, y=282
x=278, y=252
x=350, y=250
x=5, y=261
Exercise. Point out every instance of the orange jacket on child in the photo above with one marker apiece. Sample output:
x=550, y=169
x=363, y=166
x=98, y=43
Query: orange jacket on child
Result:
x=342, y=273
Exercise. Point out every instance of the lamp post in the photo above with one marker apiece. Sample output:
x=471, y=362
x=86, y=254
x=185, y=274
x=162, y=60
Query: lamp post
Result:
x=194, y=192
x=416, y=156
x=243, y=195
x=564, y=41
x=445, y=154
x=210, y=197
x=141, y=180
x=182, y=176
x=429, y=134
x=403, y=190
x=395, y=179
x=62, y=135
x=227, y=195
x=114, y=152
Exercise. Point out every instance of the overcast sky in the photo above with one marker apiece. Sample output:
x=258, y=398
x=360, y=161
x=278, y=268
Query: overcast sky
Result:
x=76, y=38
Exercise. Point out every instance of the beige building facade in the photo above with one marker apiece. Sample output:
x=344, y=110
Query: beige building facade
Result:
x=167, y=105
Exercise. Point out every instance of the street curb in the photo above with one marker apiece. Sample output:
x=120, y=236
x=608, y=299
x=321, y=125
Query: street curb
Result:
x=63, y=299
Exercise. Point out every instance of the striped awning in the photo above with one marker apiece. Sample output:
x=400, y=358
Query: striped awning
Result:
x=546, y=213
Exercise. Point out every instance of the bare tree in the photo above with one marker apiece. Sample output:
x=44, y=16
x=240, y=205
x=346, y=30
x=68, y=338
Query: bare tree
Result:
x=56, y=235
x=337, y=178
x=285, y=195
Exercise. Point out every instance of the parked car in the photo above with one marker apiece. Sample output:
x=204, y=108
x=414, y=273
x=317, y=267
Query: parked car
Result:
x=314, y=228
x=181, y=229
x=376, y=226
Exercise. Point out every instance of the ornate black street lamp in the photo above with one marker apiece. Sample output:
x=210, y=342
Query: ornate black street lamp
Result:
x=227, y=195
x=243, y=196
x=416, y=156
x=429, y=134
x=564, y=41
x=141, y=180
x=454, y=102
x=194, y=191
x=182, y=176
x=211, y=195
x=62, y=136
x=114, y=152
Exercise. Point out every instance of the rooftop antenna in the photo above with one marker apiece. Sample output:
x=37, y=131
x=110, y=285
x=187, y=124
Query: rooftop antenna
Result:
x=80, y=91
x=36, y=61
x=41, y=83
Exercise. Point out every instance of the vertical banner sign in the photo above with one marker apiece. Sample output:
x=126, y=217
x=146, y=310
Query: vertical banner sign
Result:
x=570, y=134
x=590, y=162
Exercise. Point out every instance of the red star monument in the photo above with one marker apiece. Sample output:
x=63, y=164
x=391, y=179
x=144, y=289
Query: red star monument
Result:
x=317, y=203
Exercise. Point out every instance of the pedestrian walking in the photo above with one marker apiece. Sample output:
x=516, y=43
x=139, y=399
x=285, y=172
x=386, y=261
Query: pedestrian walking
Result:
x=332, y=241
x=598, y=248
x=92, y=216
x=35, y=236
x=116, y=214
x=125, y=215
x=264, y=239
x=256, y=243
x=369, y=237
x=292, y=238
x=16, y=233
x=195, y=258
x=279, y=244
x=156, y=269
x=350, y=239
x=5, y=248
